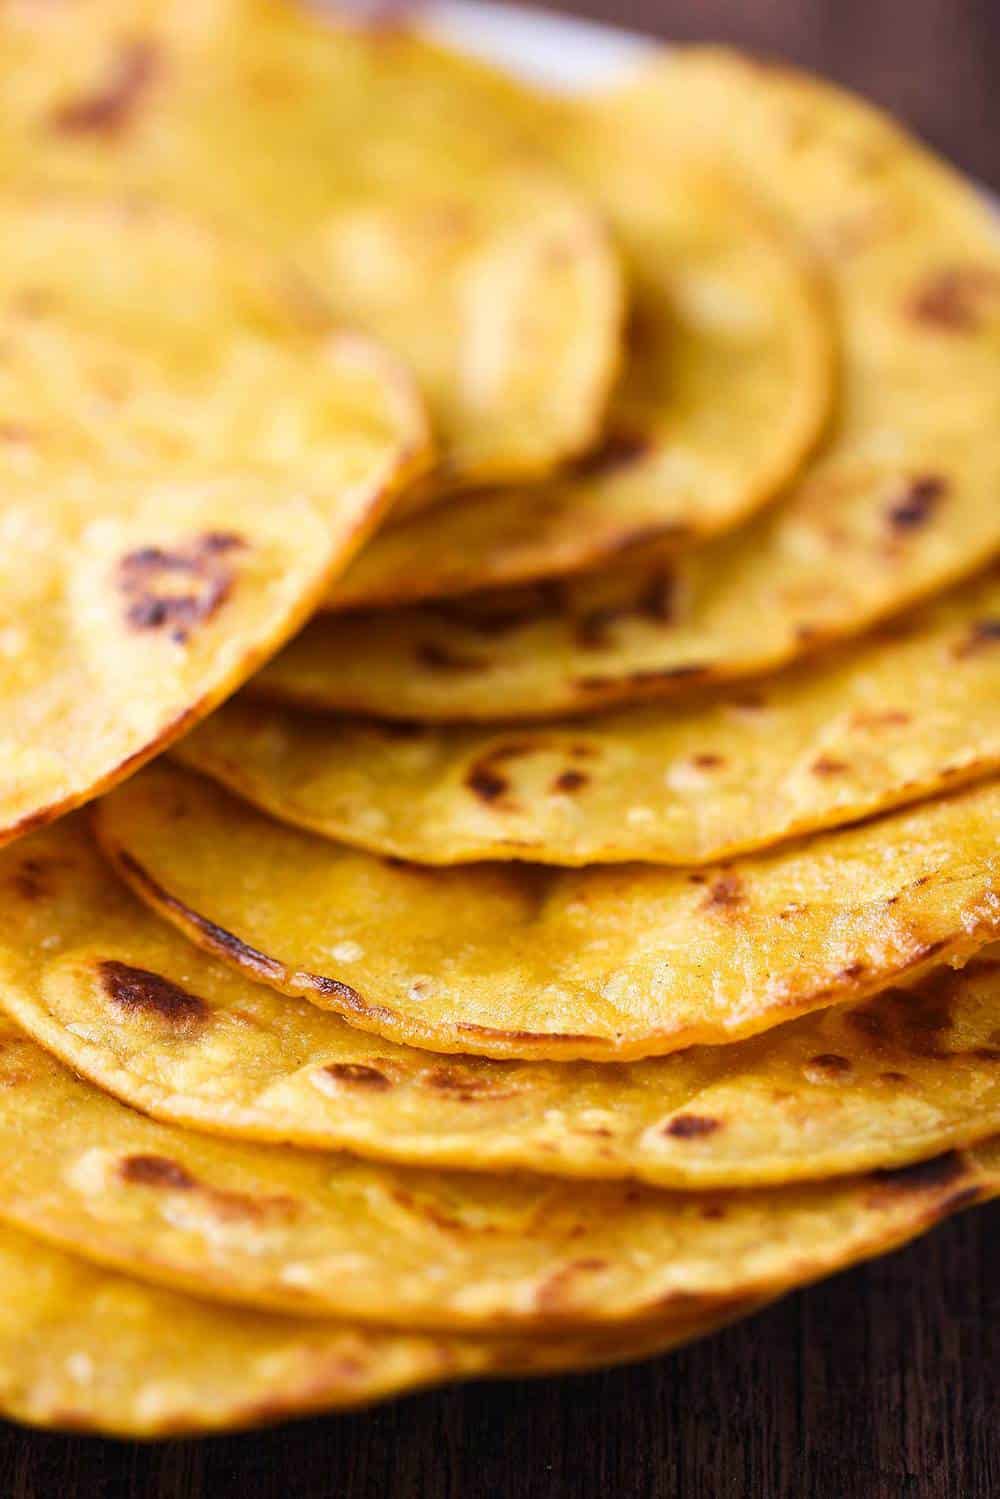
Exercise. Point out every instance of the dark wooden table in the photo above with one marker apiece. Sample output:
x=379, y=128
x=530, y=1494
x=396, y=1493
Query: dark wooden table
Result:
x=879, y=1384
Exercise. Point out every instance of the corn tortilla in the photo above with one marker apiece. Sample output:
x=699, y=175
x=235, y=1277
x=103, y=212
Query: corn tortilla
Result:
x=519, y=960
x=186, y=463
x=181, y=1366
x=125, y=1001
x=899, y=502
x=727, y=384
x=910, y=712
x=402, y=179
x=312, y=1234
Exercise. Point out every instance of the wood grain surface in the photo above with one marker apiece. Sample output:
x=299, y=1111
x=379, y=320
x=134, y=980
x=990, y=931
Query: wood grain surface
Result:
x=879, y=1384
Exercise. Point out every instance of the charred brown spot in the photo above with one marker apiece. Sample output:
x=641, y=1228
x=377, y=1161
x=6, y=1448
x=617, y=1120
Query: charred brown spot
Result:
x=570, y=780
x=724, y=894
x=914, y=506
x=592, y=630
x=555, y=1293
x=464, y=1085
x=691, y=1126
x=164, y=1174
x=486, y=783
x=175, y=590
x=869, y=1021
x=29, y=880
x=156, y=1171
x=955, y=299
x=653, y=602
x=828, y=1065
x=499, y=614
x=442, y=658
x=707, y=761
x=984, y=633
x=113, y=106
x=894, y=1079
x=920, y=1022
x=619, y=450
x=138, y=991
x=356, y=1075
x=826, y=765
x=657, y=600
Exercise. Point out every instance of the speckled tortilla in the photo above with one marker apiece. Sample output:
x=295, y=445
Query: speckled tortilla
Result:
x=186, y=462
x=324, y=1235
x=728, y=382
x=175, y=1365
x=401, y=178
x=514, y=960
x=910, y=712
x=125, y=1001
x=901, y=501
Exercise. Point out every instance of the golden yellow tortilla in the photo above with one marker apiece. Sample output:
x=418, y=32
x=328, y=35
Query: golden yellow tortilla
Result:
x=186, y=462
x=909, y=712
x=124, y=1000
x=396, y=174
x=507, y=303
x=324, y=1235
x=86, y=1350
x=515, y=960
x=901, y=500
x=727, y=384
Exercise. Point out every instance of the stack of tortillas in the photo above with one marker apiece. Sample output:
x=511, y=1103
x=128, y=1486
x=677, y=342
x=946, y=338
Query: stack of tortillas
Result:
x=579, y=934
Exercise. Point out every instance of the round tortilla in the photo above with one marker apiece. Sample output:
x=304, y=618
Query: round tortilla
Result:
x=913, y=711
x=180, y=1366
x=728, y=383
x=900, y=502
x=186, y=464
x=124, y=1000
x=322, y=1235
x=433, y=230
x=514, y=960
